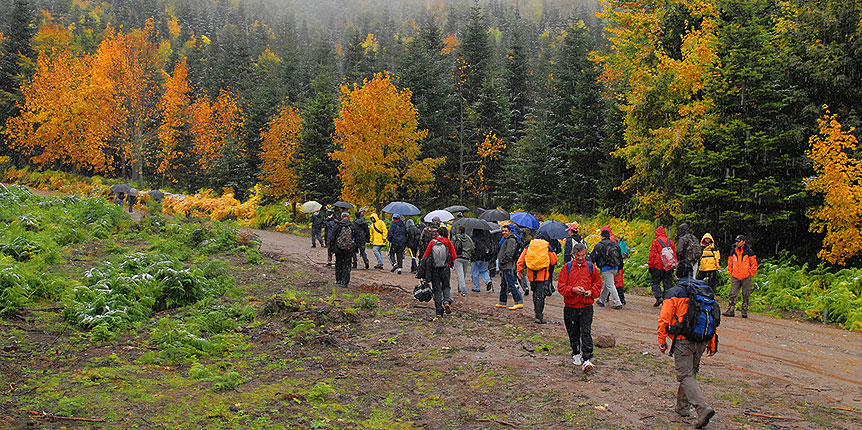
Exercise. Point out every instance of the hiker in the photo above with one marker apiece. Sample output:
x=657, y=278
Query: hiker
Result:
x=429, y=232
x=397, y=242
x=574, y=237
x=741, y=266
x=686, y=352
x=482, y=252
x=619, y=281
x=661, y=278
x=343, y=245
x=579, y=284
x=329, y=226
x=687, y=247
x=131, y=198
x=360, y=227
x=537, y=261
x=442, y=255
x=506, y=258
x=464, y=247
x=608, y=256
x=413, y=244
x=316, y=227
x=710, y=261
x=378, y=239
x=119, y=198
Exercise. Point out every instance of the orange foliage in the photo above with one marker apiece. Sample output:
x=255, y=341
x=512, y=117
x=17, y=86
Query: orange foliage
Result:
x=488, y=151
x=173, y=105
x=278, y=151
x=377, y=133
x=839, y=180
x=205, y=204
x=214, y=125
x=449, y=44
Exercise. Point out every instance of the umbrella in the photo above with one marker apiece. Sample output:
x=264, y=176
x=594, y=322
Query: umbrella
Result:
x=310, y=206
x=120, y=188
x=457, y=208
x=133, y=192
x=343, y=205
x=156, y=194
x=471, y=224
x=554, y=229
x=494, y=227
x=525, y=220
x=494, y=215
x=439, y=213
x=401, y=208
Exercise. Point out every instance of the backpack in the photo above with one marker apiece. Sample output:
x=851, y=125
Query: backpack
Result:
x=613, y=255
x=703, y=314
x=668, y=258
x=344, y=240
x=422, y=292
x=537, y=257
x=624, y=247
x=439, y=254
x=459, y=247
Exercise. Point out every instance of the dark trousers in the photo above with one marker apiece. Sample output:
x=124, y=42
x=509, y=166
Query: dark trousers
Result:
x=396, y=255
x=660, y=279
x=361, y=252
x=579, y=326
x=540, y=290
x=316, y=237
x=439, y=277
x=711, y=277
x=343, y=261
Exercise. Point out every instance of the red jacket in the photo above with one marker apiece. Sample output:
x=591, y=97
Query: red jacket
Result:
x=445, y=241
x=579, y=276
x=655, y=251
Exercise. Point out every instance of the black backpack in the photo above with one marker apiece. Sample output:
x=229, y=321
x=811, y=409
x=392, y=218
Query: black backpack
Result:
x=703, y=314
x=422, y=292
x=459, y=247
x=613, y=255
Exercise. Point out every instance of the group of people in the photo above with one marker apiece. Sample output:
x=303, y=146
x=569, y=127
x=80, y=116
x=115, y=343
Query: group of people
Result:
x=129, y=198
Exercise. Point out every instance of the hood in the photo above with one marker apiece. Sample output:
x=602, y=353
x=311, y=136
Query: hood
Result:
x=608, y=228
x=410, y=223
x=660, y=232
x=707, y=236
x=373, y=217
x=682, y=230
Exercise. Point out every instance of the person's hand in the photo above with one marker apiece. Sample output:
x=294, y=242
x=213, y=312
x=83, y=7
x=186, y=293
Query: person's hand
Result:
x=710, y=352
x=663, y=348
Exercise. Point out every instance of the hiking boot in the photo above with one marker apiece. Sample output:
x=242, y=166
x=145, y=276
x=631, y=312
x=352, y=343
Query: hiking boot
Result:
x=447, y=307
x=601, y=305
x=727, y=313
x=500, y=305
x=745, y=314
x=527, y=292
x=539, y=321
x=703, y=419
x=587, y=366
x=314, y=246
x=378, y=266
x=576, y=360
x=476, y=290
x=489, y=286
x=366, y=266
x=657, y=303
x=516, y=306
x=684, y=412
x=618, y=307
x=392, y=269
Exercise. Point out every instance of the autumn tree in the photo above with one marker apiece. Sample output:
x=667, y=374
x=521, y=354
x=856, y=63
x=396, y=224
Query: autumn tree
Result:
x=839, y=181
x=216, y=126
x=173, y=159
x=376, y=132
x=279, y=148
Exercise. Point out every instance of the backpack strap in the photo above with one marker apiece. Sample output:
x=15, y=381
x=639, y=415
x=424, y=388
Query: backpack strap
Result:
x=589, y=266
x=661, y=243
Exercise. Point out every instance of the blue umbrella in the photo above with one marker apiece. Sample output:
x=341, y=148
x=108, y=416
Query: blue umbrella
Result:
x=553, y=229
x=525, y=220
x=401, y=208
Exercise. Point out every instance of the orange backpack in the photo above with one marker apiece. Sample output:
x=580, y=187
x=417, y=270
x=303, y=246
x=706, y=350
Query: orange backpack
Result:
x=537, y=257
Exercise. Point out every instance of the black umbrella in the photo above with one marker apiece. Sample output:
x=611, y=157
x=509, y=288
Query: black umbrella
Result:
x=156, y=194
x=554, y=229
x=457, y=208
x=121, y=188
x=343, y=205
x=471, y=224
x=494, y=215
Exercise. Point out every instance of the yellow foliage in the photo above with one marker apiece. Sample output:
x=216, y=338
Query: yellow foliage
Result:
x=206, y=204
x=839, y=180
x=279, y=146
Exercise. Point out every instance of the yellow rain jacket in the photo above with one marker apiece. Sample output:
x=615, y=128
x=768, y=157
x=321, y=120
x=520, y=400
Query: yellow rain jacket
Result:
x=711, y=258
x=378, y=231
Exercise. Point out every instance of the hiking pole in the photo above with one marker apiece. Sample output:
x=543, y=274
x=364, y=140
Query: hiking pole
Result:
x=672, y=346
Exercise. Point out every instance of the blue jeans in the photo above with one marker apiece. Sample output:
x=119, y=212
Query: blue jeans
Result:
x=376, y=250
x=479, y=269
x=507, y=284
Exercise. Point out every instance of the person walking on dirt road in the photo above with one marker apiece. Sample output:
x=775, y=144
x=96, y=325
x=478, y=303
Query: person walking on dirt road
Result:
x=378, y=239
x=316, y=227
x=443, y=255
x=741, y=266
x=661, y=278
x=686, y=353
x=580, y=284
x=360, y=227
x=507, y=257
x=343, y=245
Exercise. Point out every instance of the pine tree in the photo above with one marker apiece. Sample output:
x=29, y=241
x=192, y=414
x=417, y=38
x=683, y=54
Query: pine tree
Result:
x=15, y=52
x=517, y=84
x=474, y=56
x=318, y=174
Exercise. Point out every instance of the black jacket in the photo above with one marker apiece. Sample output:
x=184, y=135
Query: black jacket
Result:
x=360, y=230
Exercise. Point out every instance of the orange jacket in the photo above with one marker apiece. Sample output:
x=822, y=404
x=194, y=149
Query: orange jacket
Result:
x=673, y=309
x=539, y=275
x=742, y=262
x=580, y=276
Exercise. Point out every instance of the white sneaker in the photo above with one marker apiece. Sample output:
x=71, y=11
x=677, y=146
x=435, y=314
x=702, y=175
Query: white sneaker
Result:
x=587, y=366
x=576, y=360
x=398, y=271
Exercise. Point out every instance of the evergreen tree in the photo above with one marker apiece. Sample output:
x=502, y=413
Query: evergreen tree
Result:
x=318, y=174
x=15, y=52
x=474, y=56
x=517, y=84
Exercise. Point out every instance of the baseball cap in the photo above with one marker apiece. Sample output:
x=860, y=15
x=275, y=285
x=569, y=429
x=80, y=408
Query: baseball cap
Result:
x=396, y=216
x=740, y=238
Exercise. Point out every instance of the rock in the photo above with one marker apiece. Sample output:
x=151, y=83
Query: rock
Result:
x=606, y=341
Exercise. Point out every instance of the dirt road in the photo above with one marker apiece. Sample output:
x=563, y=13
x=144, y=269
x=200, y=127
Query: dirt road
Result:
x=800, y=356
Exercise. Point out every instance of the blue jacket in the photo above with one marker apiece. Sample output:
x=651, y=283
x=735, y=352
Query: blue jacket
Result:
x=397, y=233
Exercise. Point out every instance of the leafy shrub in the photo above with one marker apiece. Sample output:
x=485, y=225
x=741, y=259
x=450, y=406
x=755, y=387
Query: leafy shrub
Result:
x=366, y=301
